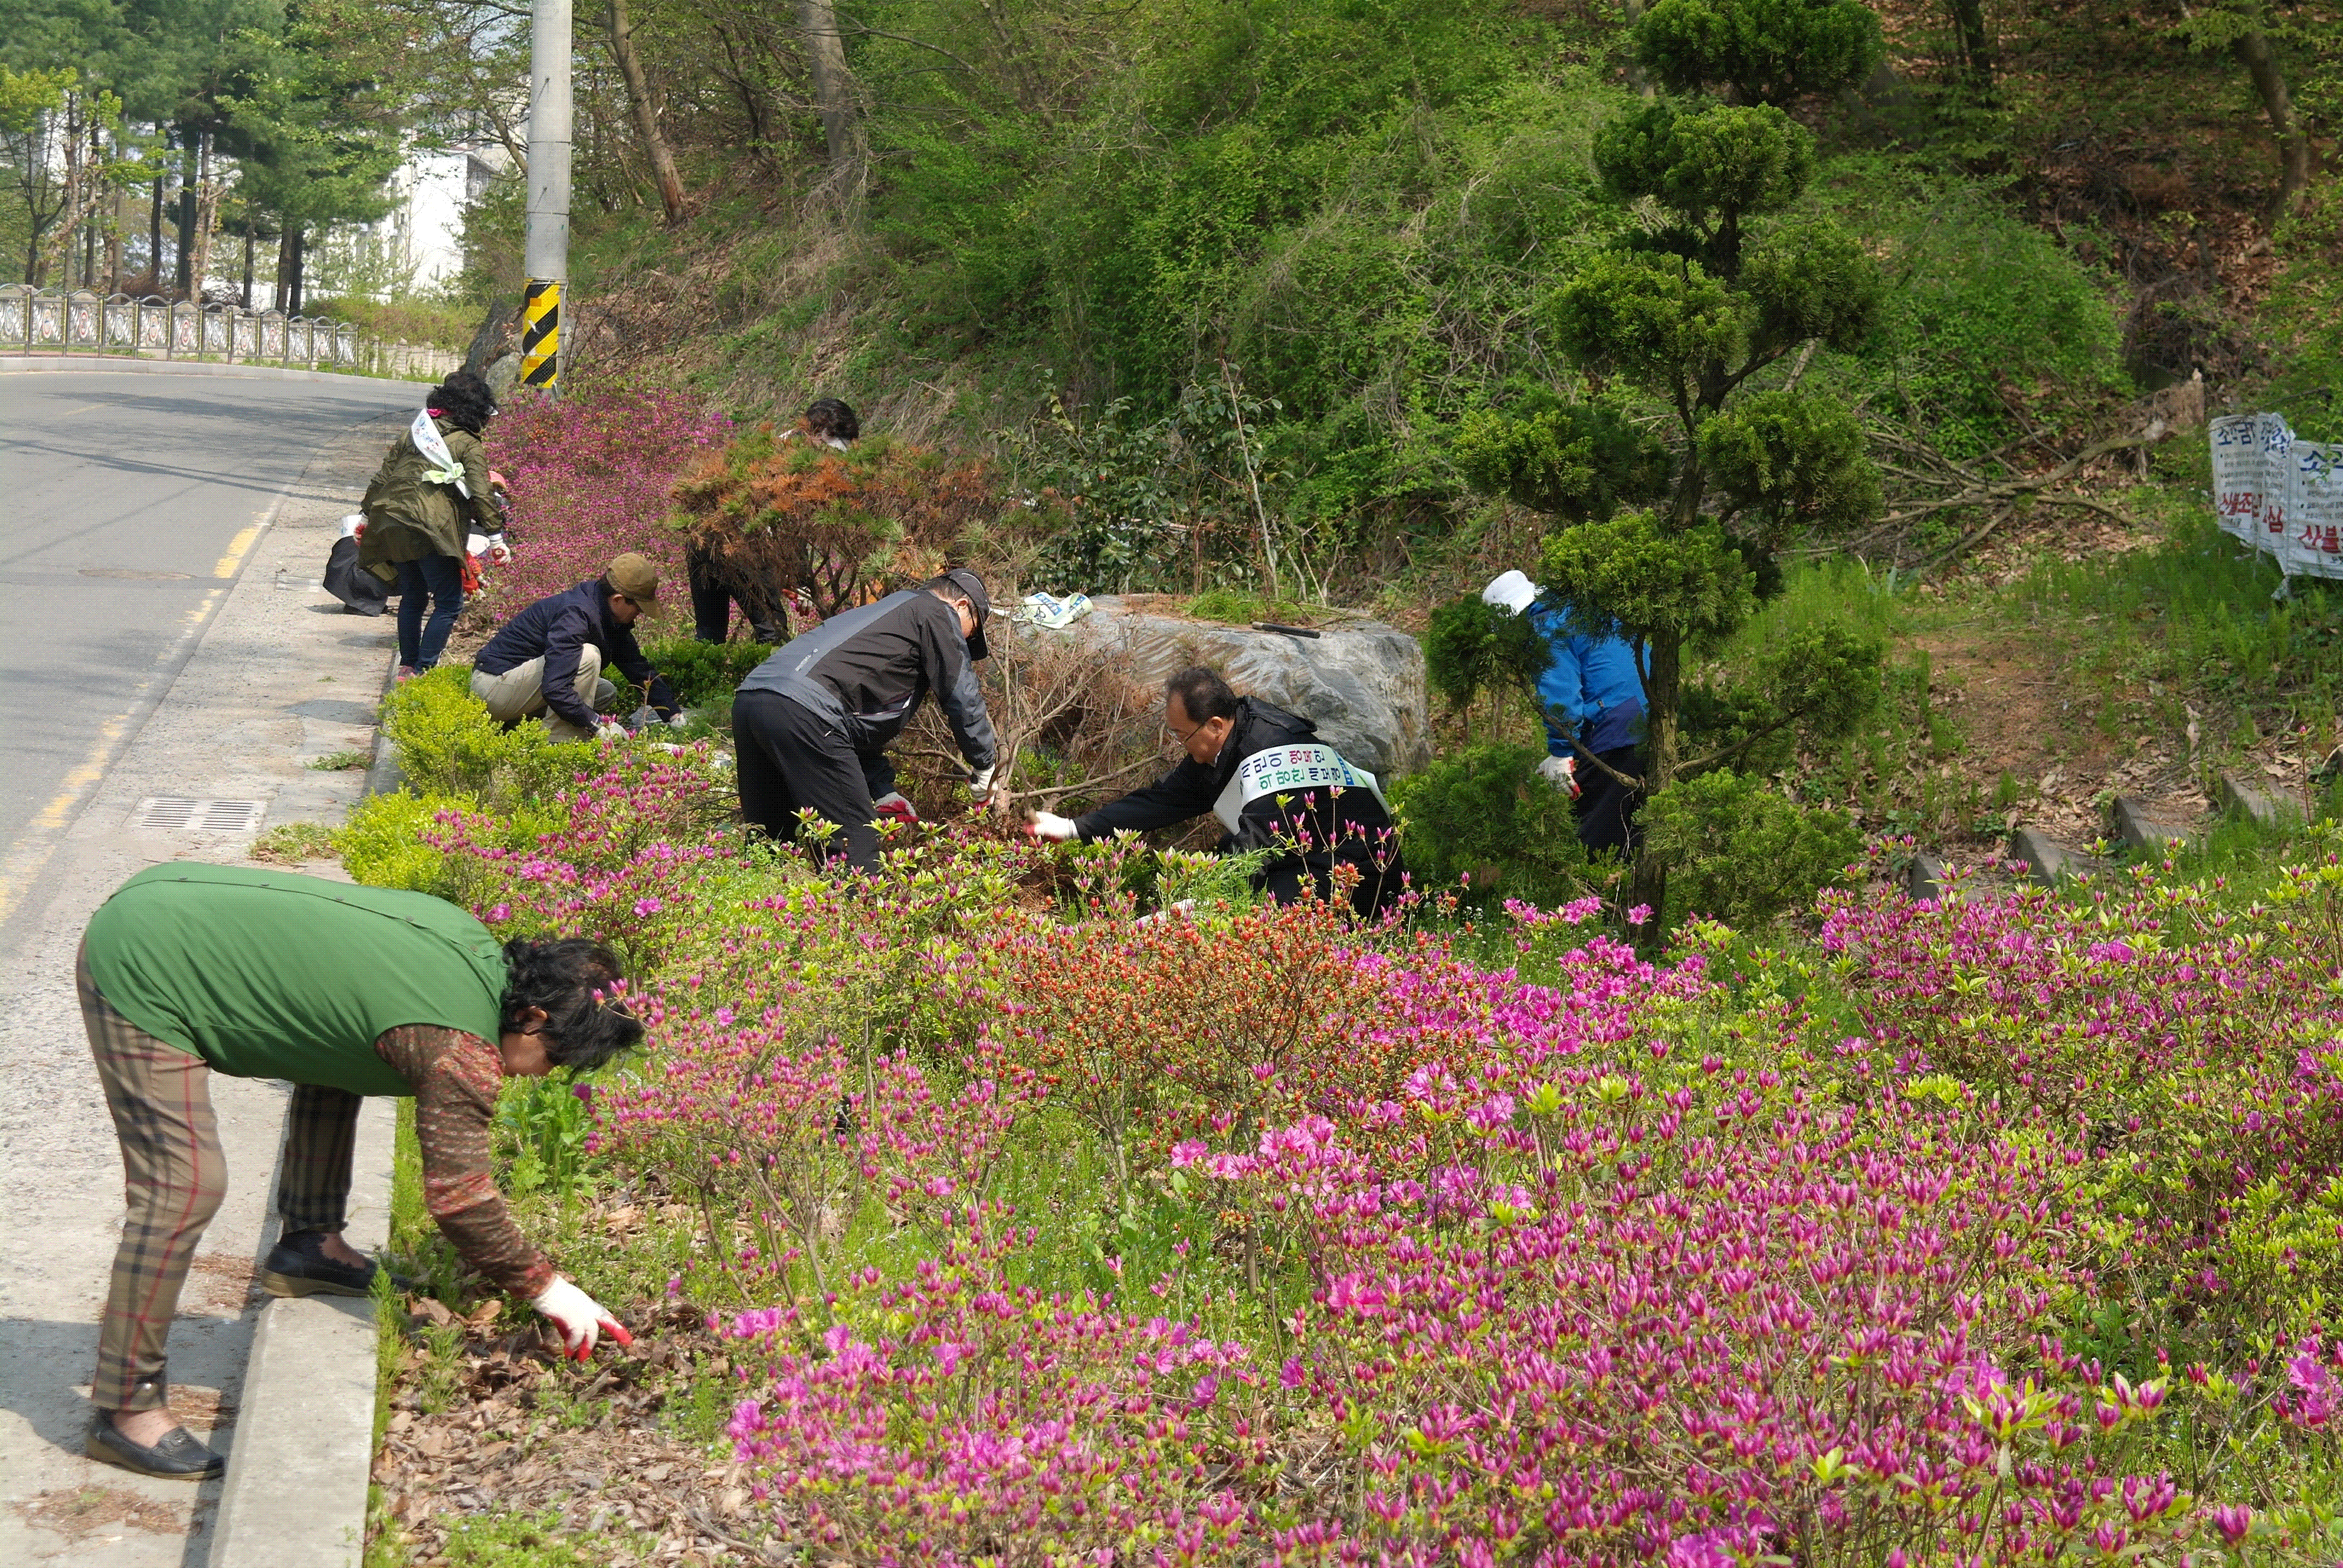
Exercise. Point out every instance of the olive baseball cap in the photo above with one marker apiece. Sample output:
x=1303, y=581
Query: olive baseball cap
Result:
x=638, y=578
x=973, y=585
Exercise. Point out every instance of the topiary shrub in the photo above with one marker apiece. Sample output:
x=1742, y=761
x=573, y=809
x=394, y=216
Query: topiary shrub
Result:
x=1741, y=853
x=1473, y=650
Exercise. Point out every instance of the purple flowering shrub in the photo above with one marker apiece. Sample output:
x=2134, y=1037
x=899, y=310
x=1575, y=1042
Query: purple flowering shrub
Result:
x=2002, y=1236
x=590, y=478
x=2189, y=1046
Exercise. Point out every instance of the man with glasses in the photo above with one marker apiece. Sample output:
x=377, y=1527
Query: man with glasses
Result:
x=1272, y=783
x=548, y=659
x=342, y=991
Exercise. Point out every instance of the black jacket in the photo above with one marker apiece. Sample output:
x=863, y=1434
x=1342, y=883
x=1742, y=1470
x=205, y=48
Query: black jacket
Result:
x=863, y=672
x=556, y=628
x=1352, y=828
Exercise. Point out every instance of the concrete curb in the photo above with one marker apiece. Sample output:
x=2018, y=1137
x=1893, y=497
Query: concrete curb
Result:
x=296, y=1491
x=25, y=364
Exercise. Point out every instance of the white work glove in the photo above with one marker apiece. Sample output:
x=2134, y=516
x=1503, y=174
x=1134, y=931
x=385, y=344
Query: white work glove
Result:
x=609, y=729
x=1045, y=825
x=579, y=1318
x=498, y=551
x=979, y=783
x=681, y=718
x=892, y=804
x=1562, y=772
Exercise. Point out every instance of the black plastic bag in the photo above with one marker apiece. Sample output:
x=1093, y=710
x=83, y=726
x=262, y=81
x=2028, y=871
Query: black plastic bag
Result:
x=360, y=591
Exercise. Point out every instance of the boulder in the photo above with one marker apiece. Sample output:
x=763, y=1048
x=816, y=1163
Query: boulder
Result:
x=1361, y=682
x=503, y=376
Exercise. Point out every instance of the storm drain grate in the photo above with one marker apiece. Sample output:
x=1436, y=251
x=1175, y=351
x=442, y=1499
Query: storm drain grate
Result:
x=186, y=813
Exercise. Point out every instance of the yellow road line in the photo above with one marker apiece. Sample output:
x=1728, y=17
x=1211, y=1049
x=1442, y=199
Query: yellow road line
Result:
x=39, y=840
x=236, y=549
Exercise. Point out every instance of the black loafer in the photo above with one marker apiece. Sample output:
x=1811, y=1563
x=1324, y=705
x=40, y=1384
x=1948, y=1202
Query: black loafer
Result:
x=297, y=1266
x=177, y=1457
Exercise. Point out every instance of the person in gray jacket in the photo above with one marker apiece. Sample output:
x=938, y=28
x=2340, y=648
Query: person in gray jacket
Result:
x=811, y=724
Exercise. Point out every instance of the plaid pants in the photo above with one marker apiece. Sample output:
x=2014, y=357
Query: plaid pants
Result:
x=174, y=1177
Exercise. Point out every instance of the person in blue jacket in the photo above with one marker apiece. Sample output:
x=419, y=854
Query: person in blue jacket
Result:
x=1591, y=693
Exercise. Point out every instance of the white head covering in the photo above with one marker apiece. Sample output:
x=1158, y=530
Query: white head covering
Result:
x=1511, y=590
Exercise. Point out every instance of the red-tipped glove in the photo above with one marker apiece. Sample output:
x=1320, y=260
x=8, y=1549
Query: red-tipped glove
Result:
x=892, y=804
x=579, y=1318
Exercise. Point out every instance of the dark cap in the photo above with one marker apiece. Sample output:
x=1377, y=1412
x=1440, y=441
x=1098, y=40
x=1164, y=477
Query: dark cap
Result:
x=968, y=583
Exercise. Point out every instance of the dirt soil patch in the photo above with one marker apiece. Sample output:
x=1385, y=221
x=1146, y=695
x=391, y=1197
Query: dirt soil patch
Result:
x=531, y=1434
x=82, y=1512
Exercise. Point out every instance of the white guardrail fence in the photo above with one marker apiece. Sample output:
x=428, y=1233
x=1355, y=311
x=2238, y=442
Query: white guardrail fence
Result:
x=48, y=321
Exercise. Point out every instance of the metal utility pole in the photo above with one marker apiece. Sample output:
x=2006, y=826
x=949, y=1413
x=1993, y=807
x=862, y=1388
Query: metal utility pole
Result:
x=546, y=254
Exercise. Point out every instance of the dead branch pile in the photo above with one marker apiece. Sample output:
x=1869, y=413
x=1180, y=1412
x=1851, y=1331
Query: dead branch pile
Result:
x=1075, y=730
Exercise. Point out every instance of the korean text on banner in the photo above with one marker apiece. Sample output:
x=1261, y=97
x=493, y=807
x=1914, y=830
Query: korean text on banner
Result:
x=2313, y=543
x=2238, y=476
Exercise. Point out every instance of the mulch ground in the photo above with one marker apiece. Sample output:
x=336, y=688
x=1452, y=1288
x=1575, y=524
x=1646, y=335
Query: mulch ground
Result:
x=530, y=1434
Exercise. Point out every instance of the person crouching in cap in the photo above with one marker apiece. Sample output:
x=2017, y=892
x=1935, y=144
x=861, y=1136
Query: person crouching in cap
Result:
x=548, y=659
x=811, y=723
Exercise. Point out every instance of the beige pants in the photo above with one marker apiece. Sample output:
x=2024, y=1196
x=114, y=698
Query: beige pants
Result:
x=519, y=693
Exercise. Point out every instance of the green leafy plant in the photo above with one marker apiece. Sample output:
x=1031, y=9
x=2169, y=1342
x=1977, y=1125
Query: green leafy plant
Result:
x=1740, y=852
x=1484, y=819
x=1471, y=649
x=295, y=843
x=542, y=1126
x=447, y=744
x=340, y=761
x=705, y=674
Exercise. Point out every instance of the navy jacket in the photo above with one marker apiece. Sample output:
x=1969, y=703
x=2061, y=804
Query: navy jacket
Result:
x=863, y=672
x=556, y=628
x=1590, y=690
x=1320, y=827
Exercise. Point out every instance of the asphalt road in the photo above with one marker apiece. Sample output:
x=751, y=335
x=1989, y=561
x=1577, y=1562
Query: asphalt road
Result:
x=128, y=502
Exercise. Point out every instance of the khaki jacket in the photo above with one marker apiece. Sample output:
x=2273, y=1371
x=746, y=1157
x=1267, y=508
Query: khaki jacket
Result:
x=408, y=516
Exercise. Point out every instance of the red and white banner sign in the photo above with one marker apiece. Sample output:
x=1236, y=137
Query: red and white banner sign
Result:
x=2280, y=493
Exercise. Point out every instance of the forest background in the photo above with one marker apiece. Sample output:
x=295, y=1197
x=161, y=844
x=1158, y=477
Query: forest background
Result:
x=1239, y=285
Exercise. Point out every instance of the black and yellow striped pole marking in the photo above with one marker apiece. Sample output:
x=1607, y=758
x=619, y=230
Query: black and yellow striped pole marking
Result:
x=540, y=334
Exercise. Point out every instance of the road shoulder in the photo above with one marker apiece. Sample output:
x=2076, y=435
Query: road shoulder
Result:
x=280, y=678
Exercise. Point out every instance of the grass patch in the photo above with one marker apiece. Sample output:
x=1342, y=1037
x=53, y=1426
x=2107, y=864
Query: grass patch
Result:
x=340, y=761
x=295, y=844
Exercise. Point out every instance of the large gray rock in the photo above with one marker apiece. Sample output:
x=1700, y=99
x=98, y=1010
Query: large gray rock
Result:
x=1361, y=682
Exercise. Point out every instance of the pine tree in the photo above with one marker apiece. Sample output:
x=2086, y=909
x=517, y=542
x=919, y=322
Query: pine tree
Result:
x=1657, y=524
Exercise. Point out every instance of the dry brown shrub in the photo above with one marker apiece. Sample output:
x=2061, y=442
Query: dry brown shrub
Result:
x=774, y=516
x=1079, y=729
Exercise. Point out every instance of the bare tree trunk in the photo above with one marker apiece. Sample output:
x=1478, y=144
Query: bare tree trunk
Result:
x=245, y=298
x=833, y=85
x=1662, y=694
x=207, y=213
x=2253, y=50
x=284, y=292
x=638, y=98
x=154, y=240
x=186, y=254
x=298, y=238
x=1976, y=42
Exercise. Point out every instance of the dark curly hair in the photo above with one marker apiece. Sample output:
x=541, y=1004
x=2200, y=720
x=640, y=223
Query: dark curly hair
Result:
x=829, y=417
x=464, y=401
x=574, y=980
